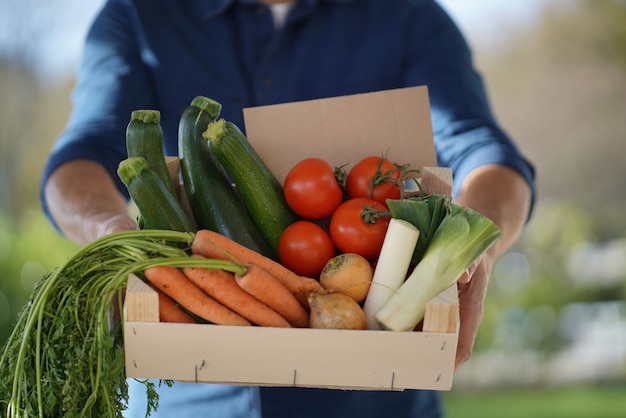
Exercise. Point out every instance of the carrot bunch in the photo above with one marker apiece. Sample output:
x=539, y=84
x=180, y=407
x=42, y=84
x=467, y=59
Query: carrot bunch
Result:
x=264, y=293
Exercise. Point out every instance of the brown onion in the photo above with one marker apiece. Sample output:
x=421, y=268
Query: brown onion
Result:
x=335, y=311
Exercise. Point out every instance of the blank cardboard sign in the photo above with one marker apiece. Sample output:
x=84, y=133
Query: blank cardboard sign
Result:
x=342, y=130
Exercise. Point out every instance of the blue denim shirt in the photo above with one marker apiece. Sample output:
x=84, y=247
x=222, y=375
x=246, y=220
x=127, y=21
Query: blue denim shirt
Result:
x=160, y=54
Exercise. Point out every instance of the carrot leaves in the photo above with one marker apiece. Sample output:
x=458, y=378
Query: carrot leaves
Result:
x=64, y=356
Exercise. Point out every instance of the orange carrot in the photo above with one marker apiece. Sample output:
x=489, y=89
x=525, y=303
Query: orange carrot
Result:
x=173, y=282
x=213, y=245
x=221, y=285
x=268, y=289
x=170, y=311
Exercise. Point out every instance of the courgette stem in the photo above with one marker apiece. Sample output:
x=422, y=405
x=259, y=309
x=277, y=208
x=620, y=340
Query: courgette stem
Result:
x=131, y=168
x=148, y=116
x=144, y=138
x=216, y=131
x=210, y=106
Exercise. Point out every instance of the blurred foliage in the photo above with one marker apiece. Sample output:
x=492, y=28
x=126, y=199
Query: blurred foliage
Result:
x=596, y=30
x=560, y=90
x=595, y=401
x=533, y=284
x=28, y=249
x=31, y=116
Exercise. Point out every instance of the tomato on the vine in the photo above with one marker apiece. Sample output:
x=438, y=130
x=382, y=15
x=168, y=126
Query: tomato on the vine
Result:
x=351, y=233
x=375, y=178
x=305, y=248
x=311, y=189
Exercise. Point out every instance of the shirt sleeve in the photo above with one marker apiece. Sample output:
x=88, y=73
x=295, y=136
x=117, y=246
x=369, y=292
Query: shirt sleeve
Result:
x=112, y=82
x=465, y=130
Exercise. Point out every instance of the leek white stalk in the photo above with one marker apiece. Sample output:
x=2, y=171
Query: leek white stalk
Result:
x=462, y=236
x=391, y=268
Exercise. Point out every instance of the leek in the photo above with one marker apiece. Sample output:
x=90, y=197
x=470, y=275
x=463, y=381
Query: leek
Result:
x=391, y=267
x=425, y=213
x=461, y=237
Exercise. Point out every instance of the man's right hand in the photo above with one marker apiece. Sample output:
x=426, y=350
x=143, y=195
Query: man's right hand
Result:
x=116, y=223
x=85, y=203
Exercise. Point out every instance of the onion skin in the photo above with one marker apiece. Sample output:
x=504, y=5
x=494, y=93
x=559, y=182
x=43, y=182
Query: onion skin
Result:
x=335, y=311
x=349, y=274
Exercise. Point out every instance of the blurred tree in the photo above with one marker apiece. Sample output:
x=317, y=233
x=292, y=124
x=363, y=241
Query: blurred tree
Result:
x=30, y=119
x=596, y=30
x=33, y=109
x=35, y=35
x=534, y=274
x=37, y=45
x=560, y=88
x=28, y=249
x=15, y=87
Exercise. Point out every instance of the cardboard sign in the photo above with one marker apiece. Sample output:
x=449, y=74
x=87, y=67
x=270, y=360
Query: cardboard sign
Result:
x=342, y=130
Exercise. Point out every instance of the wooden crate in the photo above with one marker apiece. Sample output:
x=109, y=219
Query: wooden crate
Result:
x=261, y=356
x=341, y=131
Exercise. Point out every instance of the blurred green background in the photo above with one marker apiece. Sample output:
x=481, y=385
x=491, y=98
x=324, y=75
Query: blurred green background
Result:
x=553, y=341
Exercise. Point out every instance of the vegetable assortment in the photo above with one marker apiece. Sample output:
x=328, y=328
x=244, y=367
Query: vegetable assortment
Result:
x=398, y=232
x=325, y=249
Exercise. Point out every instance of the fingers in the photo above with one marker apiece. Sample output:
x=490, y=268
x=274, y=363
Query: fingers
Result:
x=471, y=307
x=116, y=223
x=466, y=276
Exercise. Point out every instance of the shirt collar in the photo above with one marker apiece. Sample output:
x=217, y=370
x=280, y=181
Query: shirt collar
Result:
x=215, y=7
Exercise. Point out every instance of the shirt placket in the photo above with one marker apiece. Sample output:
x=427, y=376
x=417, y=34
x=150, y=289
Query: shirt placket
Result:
x=267, y=67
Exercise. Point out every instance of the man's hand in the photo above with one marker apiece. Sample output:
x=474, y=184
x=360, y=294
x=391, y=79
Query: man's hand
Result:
x=84, y=202
x=472, y=292
x=502, y=195
x=116, y=223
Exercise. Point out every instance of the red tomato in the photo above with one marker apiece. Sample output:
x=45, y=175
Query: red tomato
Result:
x=351, y=234
x=305, y=248
x=375, y=178
x=311, y=189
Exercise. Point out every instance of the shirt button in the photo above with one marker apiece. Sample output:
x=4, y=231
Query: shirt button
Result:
x=266, y=81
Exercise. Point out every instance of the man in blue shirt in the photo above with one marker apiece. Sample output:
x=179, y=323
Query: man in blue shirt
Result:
x=151, y=54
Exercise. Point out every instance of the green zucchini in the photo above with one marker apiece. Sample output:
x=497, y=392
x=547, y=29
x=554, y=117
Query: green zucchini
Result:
x=260, y=190
x=144, y=138
x=212, y=199
x=159, y=208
